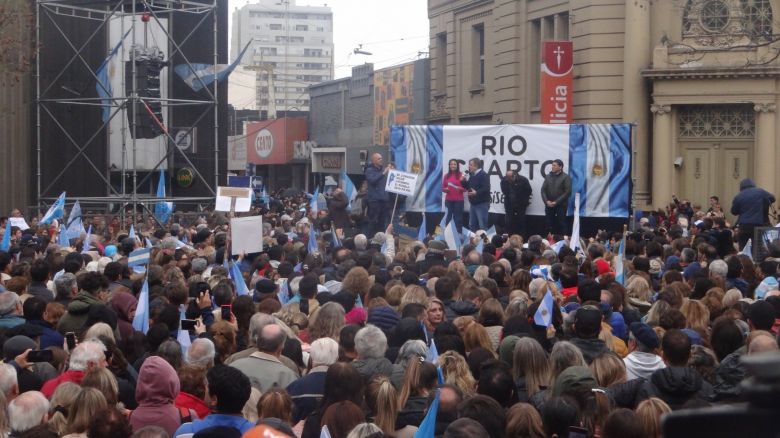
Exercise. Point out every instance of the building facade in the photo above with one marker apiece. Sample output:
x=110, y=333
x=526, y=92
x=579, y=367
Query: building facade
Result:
x=697, y=78
x=291, y=48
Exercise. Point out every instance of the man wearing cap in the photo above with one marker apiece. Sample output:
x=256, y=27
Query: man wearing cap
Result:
x=376, y=175
x=587, y=326
x=434, y=256
x=556, y=190
x=643, y=342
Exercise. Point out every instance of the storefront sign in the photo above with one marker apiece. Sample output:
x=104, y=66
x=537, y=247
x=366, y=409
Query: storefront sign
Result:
x=556, y=82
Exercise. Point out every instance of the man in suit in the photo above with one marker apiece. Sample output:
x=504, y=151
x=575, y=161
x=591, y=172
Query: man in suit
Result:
x=478, y=186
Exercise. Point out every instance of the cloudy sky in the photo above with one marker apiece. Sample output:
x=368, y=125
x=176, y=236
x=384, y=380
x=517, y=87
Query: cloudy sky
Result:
x=394, y=31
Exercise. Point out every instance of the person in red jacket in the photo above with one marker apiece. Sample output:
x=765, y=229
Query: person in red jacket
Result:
x=452, y=186
x=86, y=356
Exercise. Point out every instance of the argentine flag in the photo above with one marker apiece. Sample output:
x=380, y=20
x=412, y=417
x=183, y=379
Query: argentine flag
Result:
x=162, y=209
x=74, y=227
x=141, y=319
x=620, y=275
x=103, y=85
x=56, y=211
x=312, y=248
x=423, y=229
x=314, y=201
x=418, y=149
x=543, y=315
x=600, y=169
x=205, y=74
x=348, y=187
x=235, y=274
x=452, y=237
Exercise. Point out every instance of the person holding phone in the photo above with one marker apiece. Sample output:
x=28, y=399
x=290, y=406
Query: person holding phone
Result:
x=452, y=186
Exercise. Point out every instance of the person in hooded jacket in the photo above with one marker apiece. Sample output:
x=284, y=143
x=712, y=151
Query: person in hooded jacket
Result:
x=124, y=304
x=642, y=362
x=677, y=383
x=93, y=291
x=751, y=204
x=157, y=388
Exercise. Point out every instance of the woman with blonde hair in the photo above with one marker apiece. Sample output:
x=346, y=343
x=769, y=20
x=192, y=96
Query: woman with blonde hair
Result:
x=482, y=273
x=459, y=268
x=697, y=316
x=100, y=329
x=650, y=413
x=357, y=282
x=530, y=368
x=104, y=381
x=491, y=316
x=608, y=369
x=639, y=292
x=382, y=402
x=224, y=336
x=394, y=295
x=413, y=294
x=87, y=403
x=456, y=372
x=523, y=420
x=434, y=315
x=275, y=403
x=326, y=322
x=477, y=336
x=653, y=317
x=61, y=402
x=419, y=380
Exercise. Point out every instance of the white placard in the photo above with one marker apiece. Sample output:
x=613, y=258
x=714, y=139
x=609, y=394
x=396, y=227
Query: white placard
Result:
x=401, y=183
x=243, y=198
x=246, y=234
x=18, y=222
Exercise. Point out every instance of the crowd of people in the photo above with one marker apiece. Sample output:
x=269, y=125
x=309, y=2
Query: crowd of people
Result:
x=356, y=335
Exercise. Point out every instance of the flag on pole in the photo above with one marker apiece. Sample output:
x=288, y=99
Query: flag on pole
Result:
x=183, y=336
x=312, y=248
x=748, y=249
x=491, y=232
x=452, y=237
x=427, y=428
x=147, y=242
x=103, y=85
x=87, y=245
x=75, y=226
x=441, y=227
x=238, y=279
x=162, y=209
x=543, y=315
x=139, y=257
x=56, y=211
x=205, y=74
x=349, y=188
x=574, y=243
x=423, y=229
x=313, y=202
x=432, y=355
x=141, y=320
x=5, y=245
x=621, y=254
x=132, y=233
x=383, y=249
x=63, y=238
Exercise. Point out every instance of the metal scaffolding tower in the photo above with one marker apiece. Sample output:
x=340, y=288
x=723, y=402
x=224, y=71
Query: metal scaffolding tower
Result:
x=128, y=102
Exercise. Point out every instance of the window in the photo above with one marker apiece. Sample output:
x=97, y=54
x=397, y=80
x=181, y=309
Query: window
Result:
x=313, y=53
x=441, y=63
x=280, y=38
x=296, y=39
x=479, y=53
x=301, y=27
x=268, y=51
x=275, y=26
x=758, y=18
x=715, y=15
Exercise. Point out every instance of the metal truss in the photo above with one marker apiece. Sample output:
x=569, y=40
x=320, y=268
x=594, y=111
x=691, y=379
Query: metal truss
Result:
x=48, y=15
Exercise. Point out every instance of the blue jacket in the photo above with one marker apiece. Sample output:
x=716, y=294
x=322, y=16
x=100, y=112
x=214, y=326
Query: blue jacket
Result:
x=213, y=420
x=480, y=182
x=376, y=183
x=751, y=204
x=306, y=393
x=50, y=337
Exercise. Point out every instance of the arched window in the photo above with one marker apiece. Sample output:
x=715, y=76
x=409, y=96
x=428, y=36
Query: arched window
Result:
x=758, y=18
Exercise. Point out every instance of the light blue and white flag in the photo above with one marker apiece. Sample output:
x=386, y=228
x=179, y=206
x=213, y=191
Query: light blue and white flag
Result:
x=748, y=249
x=423, y=229
x=467, y=234
x=480, y=246
x=452, y=237
x=312, y=244
x=441, y=227
x=141, y=319
x=205, y=74
x=139, y=257
x=313, y=201
x=574, y=242
x=103, y=85
x=162, y=209
x=432, y=355
x=74, y=226
x=147, y=242
x=543, y=315
x=63, y=238
x=348, y=187
x=56, y=211
x=490, y=232
x=132, y=233
x=418, y=149
x=5, y=245
x=359, y=301
x=238, y=279
x=183, y=336
x=334, y=238
x=87, y=246
x=620, y=275
x=427, y=428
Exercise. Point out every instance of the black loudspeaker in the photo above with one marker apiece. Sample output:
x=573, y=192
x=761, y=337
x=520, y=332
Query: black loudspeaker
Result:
x=147, y=77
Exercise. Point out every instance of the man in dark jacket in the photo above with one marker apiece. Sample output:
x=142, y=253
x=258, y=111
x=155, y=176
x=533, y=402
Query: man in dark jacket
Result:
x=478, y=187
x=39, y=274
x=587, y=326
x=752, y=206
x=376, y=176
x=433, y=257
x=34, y=309
x=517, y=194
x=677, y=383
x=337, y=209
x=556, y=190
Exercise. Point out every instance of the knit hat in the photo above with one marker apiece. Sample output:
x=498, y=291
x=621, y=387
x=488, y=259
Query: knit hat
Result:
x=437, y=247
x=264, y=288
x=356, y=316
x=383, y=317
x=16, y=346
x=644, y=334
x=507, y=349
x=574, y=380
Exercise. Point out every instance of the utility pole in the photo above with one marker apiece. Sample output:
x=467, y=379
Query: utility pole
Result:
x=269, y=69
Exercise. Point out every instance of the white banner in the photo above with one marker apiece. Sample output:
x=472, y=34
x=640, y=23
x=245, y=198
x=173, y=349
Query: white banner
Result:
x=401, y=183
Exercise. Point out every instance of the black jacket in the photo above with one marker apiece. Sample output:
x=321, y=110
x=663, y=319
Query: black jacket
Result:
x=675, y=386
x=413, y=411
x=751, y=204
x=627, y=394
x=517, y=194
x=480, y=183
x=728, y=376
x=591, y=348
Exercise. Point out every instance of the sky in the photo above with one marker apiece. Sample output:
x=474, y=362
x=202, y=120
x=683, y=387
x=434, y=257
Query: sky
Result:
x=394, y=31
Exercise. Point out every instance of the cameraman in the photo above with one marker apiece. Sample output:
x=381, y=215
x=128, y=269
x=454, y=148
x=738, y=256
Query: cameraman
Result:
x=752, y=206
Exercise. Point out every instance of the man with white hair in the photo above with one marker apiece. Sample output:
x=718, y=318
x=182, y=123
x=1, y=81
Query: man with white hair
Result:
x=719, y=269
x=9, y=384
x=201, y=353
x=27, y=411
x=256, y=324
x=10, y=310
x=88, y=355
x=361, y=242
x=370, y=346
x=263, y=367
x=307, y=391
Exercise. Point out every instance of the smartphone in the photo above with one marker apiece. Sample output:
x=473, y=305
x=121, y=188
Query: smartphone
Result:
x=189, y=324
x=40, y=356
x=70, y=338
x=578, y=432
x=227, y=309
